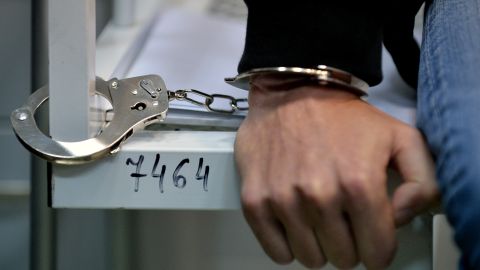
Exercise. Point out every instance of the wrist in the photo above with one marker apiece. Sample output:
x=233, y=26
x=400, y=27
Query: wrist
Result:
x=273, y=90
x=322, y=75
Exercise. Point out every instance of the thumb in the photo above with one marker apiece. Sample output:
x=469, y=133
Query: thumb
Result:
x=419, y=190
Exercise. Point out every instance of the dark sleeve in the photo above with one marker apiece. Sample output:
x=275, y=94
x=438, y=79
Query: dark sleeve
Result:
x=399, y=41
x=307, y=33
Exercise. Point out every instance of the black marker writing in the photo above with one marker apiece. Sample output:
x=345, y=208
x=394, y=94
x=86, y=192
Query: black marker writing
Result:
x=159, y=170
x=162, y=173
x=137, y=175
x=180, y=181
x=205, y=176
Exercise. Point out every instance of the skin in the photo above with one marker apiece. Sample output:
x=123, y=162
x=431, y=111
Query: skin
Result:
x=313, y=163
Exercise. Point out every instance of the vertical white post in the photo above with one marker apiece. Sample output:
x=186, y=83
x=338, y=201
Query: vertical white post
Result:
x=71, y=48
x=123, y=12
x=445, y=254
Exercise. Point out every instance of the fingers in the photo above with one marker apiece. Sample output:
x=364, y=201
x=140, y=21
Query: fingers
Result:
x=330, y=225
x=279, y=222
x=269, y=232
x=419, y=191
x=309, y=224
x=300, y=234
x=371, y=218
x=258, y=213
x=266, y=228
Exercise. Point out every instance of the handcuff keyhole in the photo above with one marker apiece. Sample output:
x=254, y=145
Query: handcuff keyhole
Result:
x=140, y=106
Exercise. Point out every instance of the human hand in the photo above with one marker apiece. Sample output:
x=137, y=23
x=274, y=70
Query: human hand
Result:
x=313, y=165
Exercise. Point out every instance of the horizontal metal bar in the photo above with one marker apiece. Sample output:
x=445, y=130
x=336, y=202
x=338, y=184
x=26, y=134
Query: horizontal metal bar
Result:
x=130, y=179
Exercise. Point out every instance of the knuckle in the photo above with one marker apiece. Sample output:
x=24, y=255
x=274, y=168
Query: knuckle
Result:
x=307, y=190
x=326, y=200
x=306, y=187
x=356, y=185
x=411, y=136
x=282, y=198
x=321, y=196
x=252, y=204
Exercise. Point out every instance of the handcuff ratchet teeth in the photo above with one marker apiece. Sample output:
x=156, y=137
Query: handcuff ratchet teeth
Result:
x=137, y=102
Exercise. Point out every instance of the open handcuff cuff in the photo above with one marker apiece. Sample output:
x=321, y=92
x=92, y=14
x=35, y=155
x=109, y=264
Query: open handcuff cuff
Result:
x=141, y=101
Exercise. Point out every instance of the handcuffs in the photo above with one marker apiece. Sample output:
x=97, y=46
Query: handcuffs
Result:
x=141, y=101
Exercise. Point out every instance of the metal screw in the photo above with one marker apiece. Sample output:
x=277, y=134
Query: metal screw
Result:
x=135, y=91
x=22, y=116
x=114, y=84
x=155, y=103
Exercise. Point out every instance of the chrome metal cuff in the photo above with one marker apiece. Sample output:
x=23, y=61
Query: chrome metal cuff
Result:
x=324, y=75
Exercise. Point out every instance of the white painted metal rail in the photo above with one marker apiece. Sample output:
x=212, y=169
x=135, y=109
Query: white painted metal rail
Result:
x=156, y=170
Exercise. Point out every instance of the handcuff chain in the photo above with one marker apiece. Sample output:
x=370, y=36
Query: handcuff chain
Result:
x=208, y=100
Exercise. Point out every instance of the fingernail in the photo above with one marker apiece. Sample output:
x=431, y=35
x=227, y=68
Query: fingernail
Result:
x=404, y=216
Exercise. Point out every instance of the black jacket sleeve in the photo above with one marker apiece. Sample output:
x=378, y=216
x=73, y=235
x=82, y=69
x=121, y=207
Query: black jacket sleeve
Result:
x=306, y=33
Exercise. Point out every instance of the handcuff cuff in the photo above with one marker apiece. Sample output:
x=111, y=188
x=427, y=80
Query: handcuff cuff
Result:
x=141, y=101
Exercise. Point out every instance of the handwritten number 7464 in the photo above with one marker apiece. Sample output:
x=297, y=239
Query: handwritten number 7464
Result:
x=179, y=180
